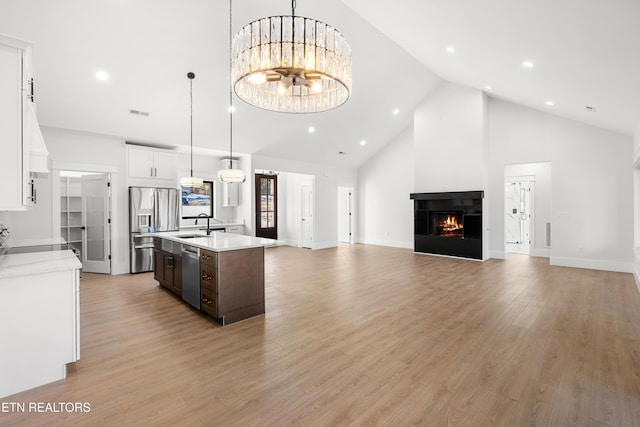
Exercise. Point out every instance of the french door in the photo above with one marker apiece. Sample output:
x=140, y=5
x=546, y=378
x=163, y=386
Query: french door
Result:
x=267, y=206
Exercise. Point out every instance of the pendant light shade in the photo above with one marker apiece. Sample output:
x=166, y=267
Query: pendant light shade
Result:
x=191, y=181
x=231, y=175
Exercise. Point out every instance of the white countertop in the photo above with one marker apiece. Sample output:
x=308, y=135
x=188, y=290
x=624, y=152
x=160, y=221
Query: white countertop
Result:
x=18, y=243
x=37, y=262
x=217, y=241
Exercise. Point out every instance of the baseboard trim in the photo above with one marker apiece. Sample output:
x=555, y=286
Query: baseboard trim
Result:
x=542, y=253
x=389, y=243
x=325, y=245
x=593, y=264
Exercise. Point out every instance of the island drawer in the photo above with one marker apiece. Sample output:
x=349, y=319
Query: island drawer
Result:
x=209, y=302
x=208, y=277
x=208, y=257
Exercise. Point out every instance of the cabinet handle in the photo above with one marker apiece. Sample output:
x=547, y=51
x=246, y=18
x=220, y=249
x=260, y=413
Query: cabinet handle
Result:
x=33, y=93
x=32, y=184
x=155, y=172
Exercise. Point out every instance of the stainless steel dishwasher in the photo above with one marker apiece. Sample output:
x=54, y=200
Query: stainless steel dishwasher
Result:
x=191, y=275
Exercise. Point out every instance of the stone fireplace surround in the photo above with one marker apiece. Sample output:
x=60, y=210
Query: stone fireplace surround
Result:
x=431, y=207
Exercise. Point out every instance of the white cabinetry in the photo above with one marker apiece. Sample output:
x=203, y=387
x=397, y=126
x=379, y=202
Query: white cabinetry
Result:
x=19, y=131
x=235, y=229
x=230, y=190
x=147, y=163
x=230, y=194
x=40, y=311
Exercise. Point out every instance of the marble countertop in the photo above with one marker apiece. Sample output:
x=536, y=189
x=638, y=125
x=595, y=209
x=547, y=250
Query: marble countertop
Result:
x=217, y=241
x=44, y=241
x=37, y=262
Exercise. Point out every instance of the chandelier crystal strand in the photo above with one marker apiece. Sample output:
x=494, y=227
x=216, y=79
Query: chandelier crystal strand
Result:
x=291, y=64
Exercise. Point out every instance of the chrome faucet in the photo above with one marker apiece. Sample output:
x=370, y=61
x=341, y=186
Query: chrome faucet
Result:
x=206, y=216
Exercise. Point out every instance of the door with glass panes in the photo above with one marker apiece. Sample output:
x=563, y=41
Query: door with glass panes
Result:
x=266, y=206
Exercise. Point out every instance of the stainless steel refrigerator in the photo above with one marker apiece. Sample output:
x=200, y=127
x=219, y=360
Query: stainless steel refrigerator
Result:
x=150, y=210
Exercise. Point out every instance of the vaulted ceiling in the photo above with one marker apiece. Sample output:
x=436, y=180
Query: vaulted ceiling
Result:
x=585, y=53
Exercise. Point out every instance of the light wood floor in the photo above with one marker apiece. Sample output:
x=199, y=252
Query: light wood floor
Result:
x=362, y=335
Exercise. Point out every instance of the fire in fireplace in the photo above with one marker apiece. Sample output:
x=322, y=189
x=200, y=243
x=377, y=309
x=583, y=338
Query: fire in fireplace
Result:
x=447, y=224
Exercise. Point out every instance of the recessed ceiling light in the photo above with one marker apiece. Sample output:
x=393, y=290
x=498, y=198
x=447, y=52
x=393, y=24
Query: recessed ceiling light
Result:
x=312, y=129
x=527, y=64
x=396, y=112
x=590, y=108
x=549, y=103
x=363, y=142
x=342, y=152
x=451, y=49
x=101, y=75
x=487, y=88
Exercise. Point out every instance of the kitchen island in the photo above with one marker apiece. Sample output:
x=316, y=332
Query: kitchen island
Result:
x=221, y=274
x=40, y=314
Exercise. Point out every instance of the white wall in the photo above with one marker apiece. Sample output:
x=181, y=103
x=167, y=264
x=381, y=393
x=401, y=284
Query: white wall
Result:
x=449, y=140
x=592, y=195
x=327, y=180
x=385, y=212
x=541, y=202
x=636, y=199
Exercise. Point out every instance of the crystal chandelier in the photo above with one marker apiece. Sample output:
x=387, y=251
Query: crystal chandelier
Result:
x=231, y=175
x=291, y=64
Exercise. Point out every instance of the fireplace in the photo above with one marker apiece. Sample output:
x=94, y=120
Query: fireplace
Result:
x=448, y=223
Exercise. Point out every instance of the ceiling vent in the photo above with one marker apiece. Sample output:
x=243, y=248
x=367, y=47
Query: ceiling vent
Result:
x=139, y=113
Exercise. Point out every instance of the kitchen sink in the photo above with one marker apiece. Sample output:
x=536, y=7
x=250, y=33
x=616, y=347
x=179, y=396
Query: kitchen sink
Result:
x=191, y=236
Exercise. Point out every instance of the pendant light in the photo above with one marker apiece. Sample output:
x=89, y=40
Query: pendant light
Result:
x=191, y=181
x=231, y=174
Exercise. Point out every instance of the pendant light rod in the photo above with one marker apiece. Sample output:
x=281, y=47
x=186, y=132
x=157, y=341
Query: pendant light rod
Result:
x=191, y=76
x=230, y=88
x=293, y=8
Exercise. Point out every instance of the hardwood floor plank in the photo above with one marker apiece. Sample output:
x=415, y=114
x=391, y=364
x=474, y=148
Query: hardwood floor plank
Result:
x=361, y=335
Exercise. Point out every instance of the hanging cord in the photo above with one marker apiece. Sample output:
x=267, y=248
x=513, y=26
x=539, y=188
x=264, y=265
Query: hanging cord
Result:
x=230, y=87
x=191, y=76
x=293, y=8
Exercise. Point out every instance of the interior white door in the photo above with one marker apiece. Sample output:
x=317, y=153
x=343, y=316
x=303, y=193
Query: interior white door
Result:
x=518, y=201
x=345, y=214
x=307, y=216
x=96, y=244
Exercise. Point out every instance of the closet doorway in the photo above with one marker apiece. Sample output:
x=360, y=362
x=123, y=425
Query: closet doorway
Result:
x=85, y=207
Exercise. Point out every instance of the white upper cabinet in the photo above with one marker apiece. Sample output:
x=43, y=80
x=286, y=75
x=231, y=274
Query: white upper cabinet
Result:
x=20, y=136
x=148, y=163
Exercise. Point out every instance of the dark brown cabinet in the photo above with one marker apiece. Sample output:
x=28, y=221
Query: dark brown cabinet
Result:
x=232, y=284
x=167, y=268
